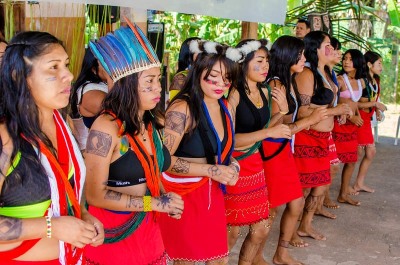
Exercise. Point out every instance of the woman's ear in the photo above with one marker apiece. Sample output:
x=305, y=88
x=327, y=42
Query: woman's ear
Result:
x=369, y=65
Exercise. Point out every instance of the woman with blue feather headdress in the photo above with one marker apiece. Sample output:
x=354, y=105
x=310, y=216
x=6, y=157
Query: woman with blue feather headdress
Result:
x=125, y=155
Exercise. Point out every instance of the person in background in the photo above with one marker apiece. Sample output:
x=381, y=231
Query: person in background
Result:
x=246, y=203
x=125, y=155
x=185, y=60
x=368, y=105
x=199, y=133
x=88, y=93
x=42, y=169
x=302, y=28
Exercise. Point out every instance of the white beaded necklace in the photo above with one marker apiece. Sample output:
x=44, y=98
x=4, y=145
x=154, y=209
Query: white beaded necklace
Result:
x=348, y=85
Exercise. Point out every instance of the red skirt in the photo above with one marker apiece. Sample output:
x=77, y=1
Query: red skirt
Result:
x=345, y=138
x=247, y=202
x=281, y=173
x=311, y=154
x=332, y=151
x=143, y=246
x=364, y=133
x=200, y=235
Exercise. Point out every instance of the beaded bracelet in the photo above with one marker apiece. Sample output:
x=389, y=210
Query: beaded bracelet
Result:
x=147, y=203
x=48, y=226
x=283, y=112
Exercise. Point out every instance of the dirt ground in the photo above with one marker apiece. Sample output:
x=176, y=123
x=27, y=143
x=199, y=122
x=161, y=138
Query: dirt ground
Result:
x=361, y=235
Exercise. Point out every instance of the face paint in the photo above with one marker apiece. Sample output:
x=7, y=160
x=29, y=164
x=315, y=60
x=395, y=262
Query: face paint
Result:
x=327, y=50
x=257, y=68
x=53, y=78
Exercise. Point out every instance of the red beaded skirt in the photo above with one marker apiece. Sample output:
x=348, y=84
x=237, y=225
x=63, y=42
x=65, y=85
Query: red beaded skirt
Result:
x=247, y=202
x=143, y=246
x=364, y=134
x=311, y=154
x=345, y=138
x=201, y=234
x=281, y=173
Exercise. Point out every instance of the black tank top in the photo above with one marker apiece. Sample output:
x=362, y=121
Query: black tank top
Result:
x=127, y=170
x=248, y=117
x=192, y=145
x=28, y=182
x=322, y=96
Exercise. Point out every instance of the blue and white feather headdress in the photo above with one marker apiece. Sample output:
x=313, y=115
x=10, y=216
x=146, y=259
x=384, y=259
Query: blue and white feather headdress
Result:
x=124, y=52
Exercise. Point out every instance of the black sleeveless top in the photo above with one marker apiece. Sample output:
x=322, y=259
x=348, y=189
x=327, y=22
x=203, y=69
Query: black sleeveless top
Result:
x=248, y=117
x=28, y=182
x=127, y=170
x=192, y=145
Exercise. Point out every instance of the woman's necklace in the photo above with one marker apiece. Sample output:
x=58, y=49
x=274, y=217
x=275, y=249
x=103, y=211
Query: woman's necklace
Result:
x=143, y=131
x=258, y=100
x=348, y=85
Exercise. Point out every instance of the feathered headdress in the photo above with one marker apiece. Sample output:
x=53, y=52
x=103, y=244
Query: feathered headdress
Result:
x=124, y=52
x=251, y=46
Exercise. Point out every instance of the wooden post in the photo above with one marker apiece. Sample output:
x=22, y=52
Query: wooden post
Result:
x=249, y=30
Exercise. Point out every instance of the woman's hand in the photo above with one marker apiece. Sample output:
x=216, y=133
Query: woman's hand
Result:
x=380, y=106
x=99, y=238
x=279, y=96
x=170, y=203
x=73, y=231
x=344, y=109
x=279, y=131
x=318, y=115
x=342, y=119
x=227, y=175
x=357, y=120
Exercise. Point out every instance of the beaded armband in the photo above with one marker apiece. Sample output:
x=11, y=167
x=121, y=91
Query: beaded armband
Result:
x=147, y=203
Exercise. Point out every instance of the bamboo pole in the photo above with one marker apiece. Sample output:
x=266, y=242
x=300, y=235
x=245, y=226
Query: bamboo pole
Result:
x=249, y=30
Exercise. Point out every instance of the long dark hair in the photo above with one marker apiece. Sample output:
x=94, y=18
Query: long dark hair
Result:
x=20, y=112
x=244, y=66
x=286, y=52
x=371, y=57
x=312, y=42
x=124, y=101
x=358, y=63
x=89, y=74
x=185, y=56
x=192, y=92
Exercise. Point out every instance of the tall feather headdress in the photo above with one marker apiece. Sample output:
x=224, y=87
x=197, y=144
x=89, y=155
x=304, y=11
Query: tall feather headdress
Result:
x=124, y=52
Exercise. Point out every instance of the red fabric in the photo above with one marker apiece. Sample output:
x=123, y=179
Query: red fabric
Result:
x=17, y=262
x=143, y=246
x=364, y=133
x=247, y=202
x=333, y=157
x=200, y=235
x=281, y=174
x=311, y=153
x=14, y=253
x=345, y=138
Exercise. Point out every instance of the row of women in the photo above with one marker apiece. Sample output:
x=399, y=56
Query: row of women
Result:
x=179, y=185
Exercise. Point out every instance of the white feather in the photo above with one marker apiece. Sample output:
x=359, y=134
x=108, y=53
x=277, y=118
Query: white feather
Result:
x=210, y=47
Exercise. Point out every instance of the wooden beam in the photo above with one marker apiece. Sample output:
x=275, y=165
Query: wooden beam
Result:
x=249, y=30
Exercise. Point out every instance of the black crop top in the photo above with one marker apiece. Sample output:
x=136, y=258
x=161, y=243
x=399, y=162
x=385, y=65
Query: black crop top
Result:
x=248, y=117
x=127, y=170
x=192, y=146
x=28, y=182
x=322, y=96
